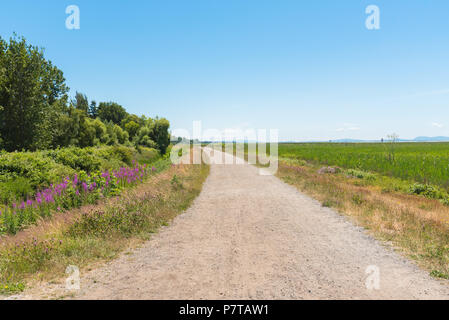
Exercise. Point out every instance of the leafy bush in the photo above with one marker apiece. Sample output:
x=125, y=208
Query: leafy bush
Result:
x=123, y=154
x=176, y=182
x=77, y=158
x=426, y=190
x=93, y=158
x=439, y=274
x=357, y=199
x=18, y=188
x=146, y=155
x=143, y=138
x=331, y=170
x=445, y=200
x=36, y=167
x=360, y=174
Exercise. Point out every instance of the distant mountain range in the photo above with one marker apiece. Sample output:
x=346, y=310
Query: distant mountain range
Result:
x=431, y=139
x=417, y=139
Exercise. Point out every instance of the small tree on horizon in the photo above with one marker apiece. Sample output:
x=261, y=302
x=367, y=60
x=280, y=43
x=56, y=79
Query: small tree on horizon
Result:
x=392, y=139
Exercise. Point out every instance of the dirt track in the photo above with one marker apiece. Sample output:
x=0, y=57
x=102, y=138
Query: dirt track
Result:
x=249, y=236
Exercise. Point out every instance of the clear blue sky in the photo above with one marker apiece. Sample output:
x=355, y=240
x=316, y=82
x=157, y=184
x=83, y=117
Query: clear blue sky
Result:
x=308, y=68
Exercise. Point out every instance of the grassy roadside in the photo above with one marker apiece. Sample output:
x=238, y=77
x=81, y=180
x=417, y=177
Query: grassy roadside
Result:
x=101, y=232
x=415, y=225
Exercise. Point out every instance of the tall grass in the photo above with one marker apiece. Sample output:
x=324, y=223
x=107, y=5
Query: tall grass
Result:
x=421, y=162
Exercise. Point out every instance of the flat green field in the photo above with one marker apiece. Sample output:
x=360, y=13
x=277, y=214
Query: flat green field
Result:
x=420, y=162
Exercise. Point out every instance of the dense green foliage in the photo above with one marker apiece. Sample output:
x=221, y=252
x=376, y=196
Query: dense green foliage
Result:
x=37, y=184
x=22, y=173
x=57, y=153
x=36, y=114
x=30, y=89
x=426, y=163
x=111, y=111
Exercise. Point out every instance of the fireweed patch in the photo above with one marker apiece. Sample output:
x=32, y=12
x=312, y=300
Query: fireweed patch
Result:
x=101, y=232
x=72, y=192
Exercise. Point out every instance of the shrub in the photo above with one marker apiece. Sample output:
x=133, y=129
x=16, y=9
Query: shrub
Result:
x=426, y=190
x=359, y=174
x=329, y=203
x=76, y=158
x=331, y=170
x=445, y=200
x=146, y=155
x=36, y=167
x=15, y=189
x=143, y=138
x=439, y=274
x=176, y=182
x=357, y=199
x=123, y=154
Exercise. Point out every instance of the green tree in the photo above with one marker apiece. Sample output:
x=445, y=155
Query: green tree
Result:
x=93, y=110
x=159, y=133
x=30, y=86
x=101, y=132
x=111, y=111
x=141, y=121
x=122, y=135
x=142, y=138
x=81, y=102
x=61, y=129
x=132, y=128
x=392, y=139
x=53, y=126
x=87, y=134
x=1, y=141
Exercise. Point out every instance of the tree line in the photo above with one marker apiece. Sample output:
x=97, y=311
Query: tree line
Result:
x=36, y=112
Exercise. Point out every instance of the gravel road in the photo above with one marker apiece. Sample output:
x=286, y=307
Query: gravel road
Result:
x=249, y=236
